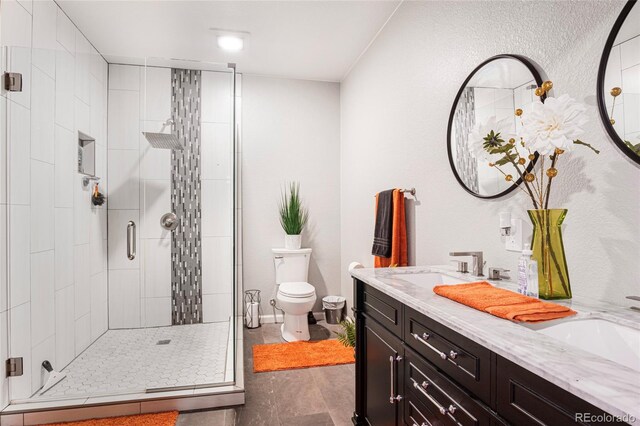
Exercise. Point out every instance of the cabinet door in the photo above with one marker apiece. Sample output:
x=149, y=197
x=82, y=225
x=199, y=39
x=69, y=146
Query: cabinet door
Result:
x=382, y=359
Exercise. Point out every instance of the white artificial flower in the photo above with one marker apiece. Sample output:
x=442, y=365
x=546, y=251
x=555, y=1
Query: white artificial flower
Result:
x=556, y=123
x=480, y=131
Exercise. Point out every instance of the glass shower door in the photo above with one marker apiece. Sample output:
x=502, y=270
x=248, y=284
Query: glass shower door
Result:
x=113, y=300
x=183, y=273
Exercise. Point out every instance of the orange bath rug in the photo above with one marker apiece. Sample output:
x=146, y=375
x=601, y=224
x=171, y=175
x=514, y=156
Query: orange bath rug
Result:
x=157, y=419
x=289, y=356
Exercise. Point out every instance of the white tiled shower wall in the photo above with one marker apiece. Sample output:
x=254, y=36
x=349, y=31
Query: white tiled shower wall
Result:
x=54, y=295
x=140, y=182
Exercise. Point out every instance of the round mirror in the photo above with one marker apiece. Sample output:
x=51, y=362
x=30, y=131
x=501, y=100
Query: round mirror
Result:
x=619, y=82
x=487, y=102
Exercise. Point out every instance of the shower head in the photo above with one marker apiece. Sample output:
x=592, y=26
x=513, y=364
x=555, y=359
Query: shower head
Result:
x=162, y=140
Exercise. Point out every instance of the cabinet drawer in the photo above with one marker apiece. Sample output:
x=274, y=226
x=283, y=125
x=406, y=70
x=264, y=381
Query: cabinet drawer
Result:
x=384, y=309
x=417, y=414
x=443, y=401
x=463, y=360
x=526, y=399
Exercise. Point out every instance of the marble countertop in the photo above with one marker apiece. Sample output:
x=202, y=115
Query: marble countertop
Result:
x=610, y=386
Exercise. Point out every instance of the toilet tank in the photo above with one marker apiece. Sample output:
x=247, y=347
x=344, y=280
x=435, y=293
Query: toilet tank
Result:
x=291, y=265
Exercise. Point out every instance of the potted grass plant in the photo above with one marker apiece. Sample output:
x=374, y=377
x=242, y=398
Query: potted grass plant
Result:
x=293, y=216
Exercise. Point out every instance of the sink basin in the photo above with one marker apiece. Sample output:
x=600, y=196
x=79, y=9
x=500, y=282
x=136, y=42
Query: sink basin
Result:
x=428, y=279
x=615, y=342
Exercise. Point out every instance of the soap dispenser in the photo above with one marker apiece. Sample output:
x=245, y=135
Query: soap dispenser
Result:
x=528, y=273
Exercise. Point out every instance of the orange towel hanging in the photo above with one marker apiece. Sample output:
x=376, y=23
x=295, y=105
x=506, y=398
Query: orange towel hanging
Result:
x=399, y=255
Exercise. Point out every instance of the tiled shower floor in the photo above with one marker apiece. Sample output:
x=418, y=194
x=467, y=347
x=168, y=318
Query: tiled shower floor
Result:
x=132, y=360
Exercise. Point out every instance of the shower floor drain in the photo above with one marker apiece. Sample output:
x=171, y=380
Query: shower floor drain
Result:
x=163, y=342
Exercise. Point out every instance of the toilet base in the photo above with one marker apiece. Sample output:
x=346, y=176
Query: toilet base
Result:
x=295, y=328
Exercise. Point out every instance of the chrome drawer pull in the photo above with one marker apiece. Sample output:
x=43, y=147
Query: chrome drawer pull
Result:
x=393, y=398
x=444, y=411
x=453, y=354
x=423, y=391
x=424, y=339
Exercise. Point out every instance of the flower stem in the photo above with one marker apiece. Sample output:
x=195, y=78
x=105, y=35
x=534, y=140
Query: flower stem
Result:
x=554, y=159
x=526, y=184
x=541, y=180
x=519, y=187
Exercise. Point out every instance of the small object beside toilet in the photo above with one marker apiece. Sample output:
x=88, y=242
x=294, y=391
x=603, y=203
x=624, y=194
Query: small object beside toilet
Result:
x=311, y=320
x=333, y=308
x=252, y=308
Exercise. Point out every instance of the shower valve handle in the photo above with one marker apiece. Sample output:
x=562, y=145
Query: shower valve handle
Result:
x=169, y=221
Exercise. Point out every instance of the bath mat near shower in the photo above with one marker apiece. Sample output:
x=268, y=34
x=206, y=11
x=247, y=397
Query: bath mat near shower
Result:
x=293, y=355
x=503, y=303
x=168, y=418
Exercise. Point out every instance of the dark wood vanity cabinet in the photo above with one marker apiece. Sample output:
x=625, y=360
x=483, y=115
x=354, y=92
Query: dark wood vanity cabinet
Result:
x=411, y=370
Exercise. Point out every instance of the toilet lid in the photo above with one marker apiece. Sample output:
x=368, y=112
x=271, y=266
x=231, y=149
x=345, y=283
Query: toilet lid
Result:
x=297, y=289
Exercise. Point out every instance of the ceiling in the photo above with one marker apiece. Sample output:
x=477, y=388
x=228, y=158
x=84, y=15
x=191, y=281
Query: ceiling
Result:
x=315, y=40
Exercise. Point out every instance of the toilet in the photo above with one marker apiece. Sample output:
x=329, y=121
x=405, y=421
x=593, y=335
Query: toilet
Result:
x=295, y=296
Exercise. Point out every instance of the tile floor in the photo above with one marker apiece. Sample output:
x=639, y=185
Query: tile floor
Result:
x=320, y=396
x=132, y=360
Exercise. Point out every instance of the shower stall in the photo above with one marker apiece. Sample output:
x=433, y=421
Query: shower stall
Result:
x=134, y=302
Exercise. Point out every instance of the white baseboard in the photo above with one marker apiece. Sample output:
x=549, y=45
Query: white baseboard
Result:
x=270, y=319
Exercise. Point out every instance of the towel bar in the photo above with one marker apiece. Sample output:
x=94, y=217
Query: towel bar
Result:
x=411, y=191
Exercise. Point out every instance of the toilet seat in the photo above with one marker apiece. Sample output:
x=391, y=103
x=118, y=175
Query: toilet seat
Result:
x=296, y=290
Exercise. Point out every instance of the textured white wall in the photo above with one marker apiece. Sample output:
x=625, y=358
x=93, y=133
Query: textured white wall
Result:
x=394, y=110
x=291, y=131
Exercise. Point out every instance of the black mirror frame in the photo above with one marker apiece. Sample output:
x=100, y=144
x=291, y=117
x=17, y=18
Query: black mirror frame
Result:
x=538, y=76
x=602, y=70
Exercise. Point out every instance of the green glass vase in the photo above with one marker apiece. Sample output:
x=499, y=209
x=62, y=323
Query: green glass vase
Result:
x=548, y=251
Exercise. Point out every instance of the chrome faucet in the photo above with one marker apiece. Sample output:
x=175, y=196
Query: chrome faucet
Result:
x=478, y=264
x=636, y=298
x=497, y=273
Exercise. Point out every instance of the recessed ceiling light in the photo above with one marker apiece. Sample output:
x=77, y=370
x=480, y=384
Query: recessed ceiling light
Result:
x=230, y=42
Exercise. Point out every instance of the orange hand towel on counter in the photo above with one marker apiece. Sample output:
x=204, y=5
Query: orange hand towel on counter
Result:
x=503, y=303
x=398, y=255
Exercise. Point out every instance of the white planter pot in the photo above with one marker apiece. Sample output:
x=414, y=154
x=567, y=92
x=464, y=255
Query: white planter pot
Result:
x=292, y=242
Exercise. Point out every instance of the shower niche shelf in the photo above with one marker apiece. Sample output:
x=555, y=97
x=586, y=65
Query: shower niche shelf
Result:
x=86, y=155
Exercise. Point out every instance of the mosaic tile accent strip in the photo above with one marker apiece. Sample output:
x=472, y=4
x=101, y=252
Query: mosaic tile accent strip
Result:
x=186, y=247
x=131, y=360
x=463, y=121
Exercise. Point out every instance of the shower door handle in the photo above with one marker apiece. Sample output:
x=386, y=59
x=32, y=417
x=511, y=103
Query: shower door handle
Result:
x=131, y=240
